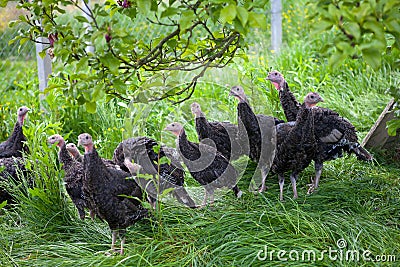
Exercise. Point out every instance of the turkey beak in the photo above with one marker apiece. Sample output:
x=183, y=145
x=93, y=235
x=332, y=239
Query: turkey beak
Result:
x=232, y=93
x=79, y=142
x=321, y=99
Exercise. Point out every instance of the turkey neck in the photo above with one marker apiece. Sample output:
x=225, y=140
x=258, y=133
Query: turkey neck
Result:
x=289, y=103
x=17, y=134
x=184, y=146
x=199, y=114
x=21, y=120
x=64, y=157
x=247, y=117
x=94, y=167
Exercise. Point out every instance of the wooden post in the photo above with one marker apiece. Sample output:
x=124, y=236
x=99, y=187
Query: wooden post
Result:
x=44, y=65
x=276, y=25
x=378, y=136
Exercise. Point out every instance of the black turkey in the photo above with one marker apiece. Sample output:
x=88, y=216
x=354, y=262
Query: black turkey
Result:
x=257, y=134
x=10, y=168
x=224, y=135
x=73, y=178
x=207, y=166
x=334, y=133
x=114, y=194
x=142, y=150
x=74, y=151
x=14, y=145
x=298, y=147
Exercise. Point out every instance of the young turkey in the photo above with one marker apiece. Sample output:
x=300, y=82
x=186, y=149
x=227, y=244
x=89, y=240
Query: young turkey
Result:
x=10, y=168
x=257, y=134
x=171, y=175
x=334, y=133
x=207, y=166
x=107, y=188
x=74, y=176
x=74, y=151
x=14, y=145
x=298, y=147
x=224, y=135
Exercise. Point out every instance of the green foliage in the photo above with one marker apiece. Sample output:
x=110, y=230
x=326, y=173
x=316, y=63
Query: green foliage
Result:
x=361, y=28
x=192, y=37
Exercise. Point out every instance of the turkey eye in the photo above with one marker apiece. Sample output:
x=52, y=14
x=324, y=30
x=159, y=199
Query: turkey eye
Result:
x=275, y=73
x=87, y=137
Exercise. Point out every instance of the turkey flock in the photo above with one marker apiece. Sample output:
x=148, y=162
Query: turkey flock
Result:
x=116, y=190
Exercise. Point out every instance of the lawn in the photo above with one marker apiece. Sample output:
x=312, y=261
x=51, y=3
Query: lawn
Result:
x=355, y=212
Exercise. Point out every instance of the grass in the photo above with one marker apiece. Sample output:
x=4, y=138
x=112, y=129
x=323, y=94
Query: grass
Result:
x=357, y=201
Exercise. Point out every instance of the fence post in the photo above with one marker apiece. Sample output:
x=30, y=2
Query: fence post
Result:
x=276, y=25
x=44, y=65
x=86, y=11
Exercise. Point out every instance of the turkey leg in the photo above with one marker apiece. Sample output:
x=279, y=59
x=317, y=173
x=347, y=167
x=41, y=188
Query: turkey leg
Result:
x=293, y=179
x=264, y=173
x=281, y=178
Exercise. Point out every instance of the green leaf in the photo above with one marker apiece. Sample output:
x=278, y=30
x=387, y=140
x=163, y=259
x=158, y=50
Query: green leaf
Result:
x=372, y=56
x=110, y=62
x=392, y=126
x=353, y=28
x=42, y=53
x=334, y=12
x=336, y=59
x=345, y=47
x=186, y=20
x=81, y=100
x=169, y=12
x=257, y=20
x=14, y=40
x=3, y=204
x=376, y=28
x=3, y=3
x=119, y=86
x=98, y=92
x=81, y=19
x=228, y=14
x=243, y=15
x=144, y=6
x=321, y=26
x=91, y=107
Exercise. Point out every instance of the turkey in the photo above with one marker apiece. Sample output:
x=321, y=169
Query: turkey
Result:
x=74, y=151
x=257, y=133
x=116, y=197
x=74, y=176
x=207, y=166
x=171, y=175
x=223, y=134
x=14, y=145
x=10, y=168
x=297, y=147
x=334, y=133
